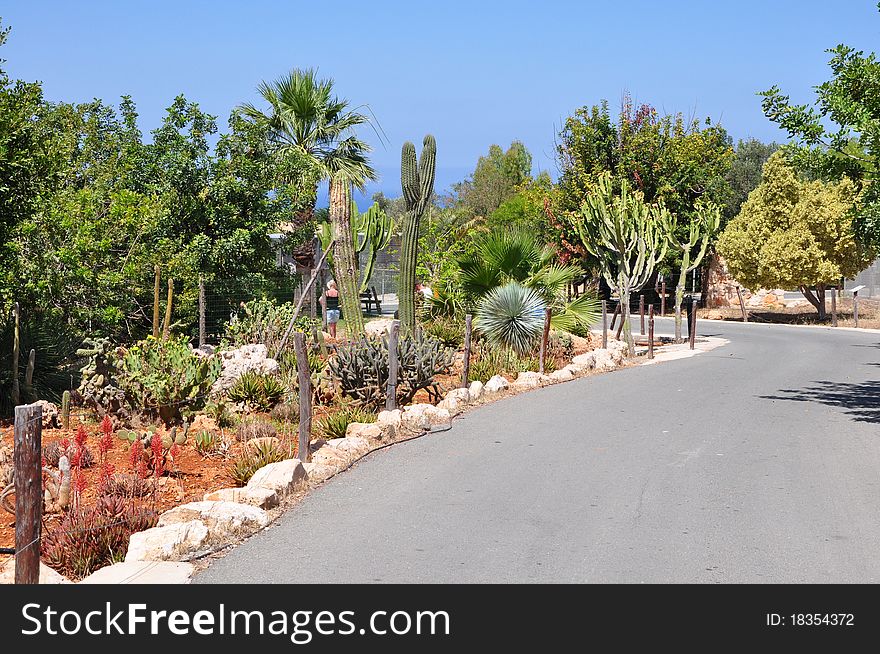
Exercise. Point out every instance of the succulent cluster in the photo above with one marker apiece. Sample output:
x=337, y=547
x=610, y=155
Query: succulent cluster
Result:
x=99, y=387
x=256, y=392
x=142, y=441
x=163, y=377
x=361, y=368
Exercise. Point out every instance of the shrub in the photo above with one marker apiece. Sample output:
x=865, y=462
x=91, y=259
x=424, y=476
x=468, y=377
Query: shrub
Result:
x=251, y=428
x=287, y=411
x=263, y=321
x=53, y=451
x=447, y=330
x=334, y=425
x=161, y=377
x=124, y=485
x=361, y=367
x=252, y=458
x=90, y=538
x=256, y=391
x=218, y=410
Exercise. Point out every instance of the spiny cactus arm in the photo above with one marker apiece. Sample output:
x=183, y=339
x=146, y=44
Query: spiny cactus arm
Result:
x=427, y=169
x=409, y=175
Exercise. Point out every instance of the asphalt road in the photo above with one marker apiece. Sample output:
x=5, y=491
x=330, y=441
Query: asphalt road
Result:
x=756, y=462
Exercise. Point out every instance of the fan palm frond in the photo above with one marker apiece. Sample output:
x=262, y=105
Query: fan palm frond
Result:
x=583, y=311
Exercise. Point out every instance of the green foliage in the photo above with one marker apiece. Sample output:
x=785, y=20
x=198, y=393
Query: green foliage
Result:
x=490, y=360
x=838, y=136
x=370, y=233
x=667, y=158
x=252, y=458
x=335, y=424
x=361, y=368
x=207, y=443
x=793, y=233
x=161, y=377
x=494, y=181
x=448, y=330
x=511, y=316
x=626, y=235
x=256, y=392
x=417, y=182
x=56, y=346
x=745, y=173
x=262, y=321
x=502, y=257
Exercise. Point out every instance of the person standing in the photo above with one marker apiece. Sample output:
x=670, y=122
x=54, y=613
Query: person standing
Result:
x=332, y=307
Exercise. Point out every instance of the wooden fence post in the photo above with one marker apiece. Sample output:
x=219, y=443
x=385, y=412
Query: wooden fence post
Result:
x=466, y=372
x=742, y=304
x=393, y=363
x=834, y=308
x=304, y=378
x=27, y=459
x=642, y=314
x=615, y=314
x=544, y=338
x=663, y=298
x=692, y=335
x=856, y=308
x=201, y=312
x=16, y=352
x=651, y=331
x=604, y=324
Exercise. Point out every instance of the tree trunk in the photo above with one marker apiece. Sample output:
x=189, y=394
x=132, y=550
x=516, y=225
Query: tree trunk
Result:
x=343, y=257
x=624, y=316
x=816, y=299
x=679, y=298
x=406, y=288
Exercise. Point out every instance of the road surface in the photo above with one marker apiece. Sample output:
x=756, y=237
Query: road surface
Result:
x=756, y=462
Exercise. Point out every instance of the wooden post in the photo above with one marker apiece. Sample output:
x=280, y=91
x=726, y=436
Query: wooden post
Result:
x=299, y=304
x=304, y=378
x=663, y=298
x=651, y=332
x=834, y=308
x=742, y=304
x=156, y=302
x=393, y=363
x=166, y=328
x=856, y=308
x=692, y=335
x=542, y=355
x=615, y=314
x=466, y=372
x=16, y=352
x=604, y=324
x=27, y=459
x=201, y=312
x=642, y=314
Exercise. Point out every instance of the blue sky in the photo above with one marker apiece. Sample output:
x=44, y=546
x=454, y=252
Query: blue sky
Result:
x=472, y=73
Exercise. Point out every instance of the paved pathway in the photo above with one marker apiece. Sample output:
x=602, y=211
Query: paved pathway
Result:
x=756, y=462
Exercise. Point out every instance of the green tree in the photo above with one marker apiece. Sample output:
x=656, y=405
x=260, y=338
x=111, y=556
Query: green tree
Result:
x=668, y=159
x=794, y=234
x=494, y=180
x=745, y=172
x=305, y=117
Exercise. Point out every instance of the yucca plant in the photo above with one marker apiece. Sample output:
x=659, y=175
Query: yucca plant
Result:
x=512, y=316
x=257, y=391
x=252, y=458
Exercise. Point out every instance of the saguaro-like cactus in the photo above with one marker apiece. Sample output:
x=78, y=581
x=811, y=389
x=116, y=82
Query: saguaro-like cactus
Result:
x=344, y=261
x=417, y=181
x=371, y=232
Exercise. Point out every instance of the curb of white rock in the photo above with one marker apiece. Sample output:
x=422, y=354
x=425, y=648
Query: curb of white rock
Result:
x=226, y=516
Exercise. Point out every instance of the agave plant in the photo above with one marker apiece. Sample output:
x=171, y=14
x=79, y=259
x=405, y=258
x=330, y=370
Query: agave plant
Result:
x=512, y=316
x=515, y=256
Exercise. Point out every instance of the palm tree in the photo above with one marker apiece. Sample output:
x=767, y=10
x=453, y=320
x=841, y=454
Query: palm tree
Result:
x=305, y=118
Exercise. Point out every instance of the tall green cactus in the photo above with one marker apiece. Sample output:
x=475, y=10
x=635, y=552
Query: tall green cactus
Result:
x=417, y=182
x=344, y=260
x=65, y=409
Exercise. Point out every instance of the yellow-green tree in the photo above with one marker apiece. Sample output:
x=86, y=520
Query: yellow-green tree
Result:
x=792, y=233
